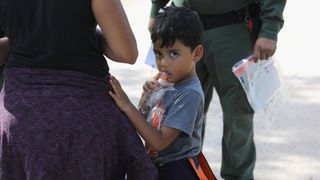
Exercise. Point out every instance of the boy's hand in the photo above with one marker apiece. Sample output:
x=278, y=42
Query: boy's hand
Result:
x=119, y=96
x=152, y=85
x=148, y=87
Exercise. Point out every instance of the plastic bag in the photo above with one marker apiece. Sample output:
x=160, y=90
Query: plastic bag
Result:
x=262, y=83
x=150, y=102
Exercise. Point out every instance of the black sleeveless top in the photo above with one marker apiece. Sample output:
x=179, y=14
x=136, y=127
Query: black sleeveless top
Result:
x=57, y=34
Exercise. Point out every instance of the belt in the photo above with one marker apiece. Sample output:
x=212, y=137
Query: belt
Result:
x=218, y=20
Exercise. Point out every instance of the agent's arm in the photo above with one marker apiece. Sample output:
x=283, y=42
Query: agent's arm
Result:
x=157, y=139
x=156, y=5
x=272, y=21
x=4, y=50
x=120, y=41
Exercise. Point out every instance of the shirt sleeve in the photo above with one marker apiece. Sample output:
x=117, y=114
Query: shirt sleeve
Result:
x=183, y=113
x=156, y=5
x=271, y=16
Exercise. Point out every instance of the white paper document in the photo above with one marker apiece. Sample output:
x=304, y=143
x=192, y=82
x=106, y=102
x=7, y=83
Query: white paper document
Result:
x=261, y=82
x=150, y=59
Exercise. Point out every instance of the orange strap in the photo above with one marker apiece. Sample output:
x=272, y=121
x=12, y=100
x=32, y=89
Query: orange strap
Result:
x=196, y=166
x=201, y=167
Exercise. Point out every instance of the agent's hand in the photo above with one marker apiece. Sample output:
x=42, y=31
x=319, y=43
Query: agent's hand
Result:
x=151, y=23
x=119, y=96
x=264, y=48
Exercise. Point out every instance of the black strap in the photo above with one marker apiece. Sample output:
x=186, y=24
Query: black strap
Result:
x=218, y=20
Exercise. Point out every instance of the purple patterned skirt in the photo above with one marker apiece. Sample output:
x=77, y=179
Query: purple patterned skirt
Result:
x=63, y=125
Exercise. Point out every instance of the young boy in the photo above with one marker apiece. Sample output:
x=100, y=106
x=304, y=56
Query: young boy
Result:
x=176, y=39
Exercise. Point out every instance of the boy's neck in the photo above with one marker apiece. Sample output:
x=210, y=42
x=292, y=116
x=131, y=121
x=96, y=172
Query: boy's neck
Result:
x=187, y=78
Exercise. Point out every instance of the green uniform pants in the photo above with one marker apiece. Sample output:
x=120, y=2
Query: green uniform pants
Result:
x=223, y=47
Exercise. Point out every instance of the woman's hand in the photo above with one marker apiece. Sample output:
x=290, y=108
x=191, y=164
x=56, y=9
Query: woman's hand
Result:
x=119, y=96
x=4, y=50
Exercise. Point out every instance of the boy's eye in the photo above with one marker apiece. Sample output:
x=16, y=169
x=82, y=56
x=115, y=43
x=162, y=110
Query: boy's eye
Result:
x=173, y=54
x=156, y=53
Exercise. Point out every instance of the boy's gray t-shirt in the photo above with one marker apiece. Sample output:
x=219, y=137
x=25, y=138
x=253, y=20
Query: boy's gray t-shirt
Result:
x=182, y=109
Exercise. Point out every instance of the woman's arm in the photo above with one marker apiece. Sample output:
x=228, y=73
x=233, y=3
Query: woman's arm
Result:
x=4, y=50
x=111, y=17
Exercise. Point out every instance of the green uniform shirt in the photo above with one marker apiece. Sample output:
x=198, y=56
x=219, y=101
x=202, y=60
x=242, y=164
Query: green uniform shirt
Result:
x=270, y=16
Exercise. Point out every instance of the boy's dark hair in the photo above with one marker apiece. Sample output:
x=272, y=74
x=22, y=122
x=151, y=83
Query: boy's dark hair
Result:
x=177, y=23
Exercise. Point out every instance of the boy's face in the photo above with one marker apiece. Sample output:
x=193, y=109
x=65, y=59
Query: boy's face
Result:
x=177, y=61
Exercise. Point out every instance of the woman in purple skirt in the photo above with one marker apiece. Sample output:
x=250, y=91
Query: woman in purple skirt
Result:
x=56, y=120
